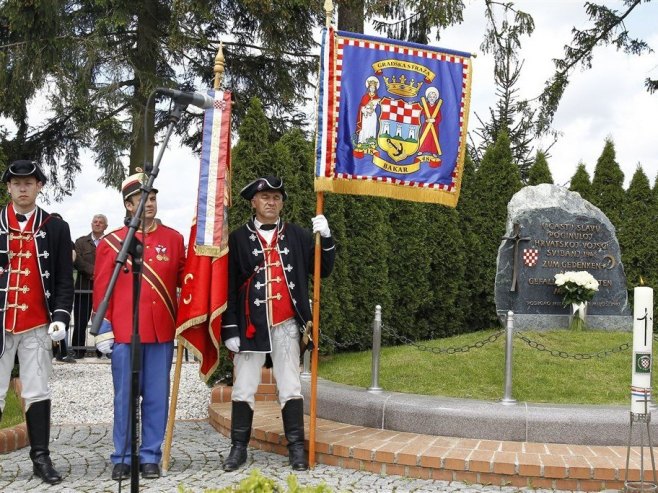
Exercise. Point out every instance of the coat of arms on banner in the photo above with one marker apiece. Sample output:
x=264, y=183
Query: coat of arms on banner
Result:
x=393, y=129
x=392, y=118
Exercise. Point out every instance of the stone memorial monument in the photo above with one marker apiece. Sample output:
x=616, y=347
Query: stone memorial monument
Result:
x=552, y=230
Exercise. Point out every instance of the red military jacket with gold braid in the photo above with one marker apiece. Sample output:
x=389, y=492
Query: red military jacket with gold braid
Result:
x=164, y=260
x=247, y=274
x=52, y=277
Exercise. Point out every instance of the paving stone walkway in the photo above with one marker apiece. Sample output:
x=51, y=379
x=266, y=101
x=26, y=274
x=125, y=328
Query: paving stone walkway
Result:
x=81, y=454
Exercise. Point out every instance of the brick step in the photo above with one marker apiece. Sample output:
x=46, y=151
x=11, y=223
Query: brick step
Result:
x=519, y=464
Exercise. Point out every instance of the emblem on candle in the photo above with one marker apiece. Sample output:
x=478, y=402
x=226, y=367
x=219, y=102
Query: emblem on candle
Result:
x=642, y=363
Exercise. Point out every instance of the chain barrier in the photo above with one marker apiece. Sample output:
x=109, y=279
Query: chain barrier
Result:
x=604, y=353
x=341, y=345
x=450, y=350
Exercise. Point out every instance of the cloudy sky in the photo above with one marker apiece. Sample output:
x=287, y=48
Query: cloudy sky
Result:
x=607, y=101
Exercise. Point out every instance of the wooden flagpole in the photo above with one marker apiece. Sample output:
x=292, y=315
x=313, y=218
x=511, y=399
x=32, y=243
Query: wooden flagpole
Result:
x=169, y=433
x=319, y=209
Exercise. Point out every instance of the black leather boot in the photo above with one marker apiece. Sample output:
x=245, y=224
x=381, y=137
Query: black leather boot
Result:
x=241, y=418
x=293, y=426
x=37, y=418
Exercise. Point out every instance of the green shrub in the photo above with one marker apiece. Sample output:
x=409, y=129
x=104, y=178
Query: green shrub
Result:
x=223, y=374
x=13, y=413
x=257, y=483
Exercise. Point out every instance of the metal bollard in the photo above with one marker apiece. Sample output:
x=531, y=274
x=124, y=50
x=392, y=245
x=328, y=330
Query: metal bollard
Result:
x=507, y=399
x=306, y=372
x=376, y=348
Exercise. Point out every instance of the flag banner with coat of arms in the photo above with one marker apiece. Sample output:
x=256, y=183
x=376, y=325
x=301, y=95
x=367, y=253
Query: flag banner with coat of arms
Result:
x=392, y=118
x=205, y=283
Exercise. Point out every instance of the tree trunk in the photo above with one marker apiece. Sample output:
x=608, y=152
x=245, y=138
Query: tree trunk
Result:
x=350, y=16
x=144, y=61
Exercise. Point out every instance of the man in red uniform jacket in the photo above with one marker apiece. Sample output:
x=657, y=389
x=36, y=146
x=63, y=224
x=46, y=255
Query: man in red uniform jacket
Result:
x=36, y=295
x=164, y=259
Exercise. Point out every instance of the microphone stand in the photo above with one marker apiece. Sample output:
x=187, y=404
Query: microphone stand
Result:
x=133, y=247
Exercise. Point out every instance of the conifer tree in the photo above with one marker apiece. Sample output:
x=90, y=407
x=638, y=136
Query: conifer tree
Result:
x=467, y=209
x=95, y=63
x=539, y=171
x=653, y=277
x=608, y=184
x=299, y=174
x=250, y=159
x=409, y=265
x=367, y=250
x=581, y=183
x=496, y=181
x=337, y=303
x=441, y=312
x=335, y=293
x=637, y=233
x=654, y=194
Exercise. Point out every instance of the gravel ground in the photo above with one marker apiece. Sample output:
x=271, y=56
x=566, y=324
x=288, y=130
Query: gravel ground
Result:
x=82, y=392
x=82, y=442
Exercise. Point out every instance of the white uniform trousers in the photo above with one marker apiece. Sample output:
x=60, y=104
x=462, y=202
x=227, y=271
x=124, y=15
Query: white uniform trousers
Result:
x=35, y=353
x=285, y=360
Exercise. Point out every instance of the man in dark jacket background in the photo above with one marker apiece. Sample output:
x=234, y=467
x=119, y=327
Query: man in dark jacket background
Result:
x=85, y=258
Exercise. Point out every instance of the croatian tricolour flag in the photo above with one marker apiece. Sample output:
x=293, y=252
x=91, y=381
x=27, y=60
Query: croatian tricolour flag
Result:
x=392, y=118
x=205, y=286
x=212, y=205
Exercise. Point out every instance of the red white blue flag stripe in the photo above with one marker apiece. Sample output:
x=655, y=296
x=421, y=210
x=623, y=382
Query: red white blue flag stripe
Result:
x=213, y=193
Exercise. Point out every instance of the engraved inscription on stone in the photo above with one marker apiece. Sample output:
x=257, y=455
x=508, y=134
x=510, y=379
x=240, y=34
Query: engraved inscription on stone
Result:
x=564, y=233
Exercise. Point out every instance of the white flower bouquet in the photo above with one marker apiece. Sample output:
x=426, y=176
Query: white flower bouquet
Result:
x=577, y=288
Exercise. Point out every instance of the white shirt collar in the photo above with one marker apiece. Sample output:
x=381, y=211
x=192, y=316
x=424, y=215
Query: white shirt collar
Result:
x=27, y=215
x=267, y=234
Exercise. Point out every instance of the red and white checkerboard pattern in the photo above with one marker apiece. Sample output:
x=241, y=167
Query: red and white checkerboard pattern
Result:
x=400, y=111
x=530, y=257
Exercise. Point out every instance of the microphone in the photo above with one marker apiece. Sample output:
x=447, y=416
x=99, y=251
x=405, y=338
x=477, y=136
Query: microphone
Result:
x=197, y=99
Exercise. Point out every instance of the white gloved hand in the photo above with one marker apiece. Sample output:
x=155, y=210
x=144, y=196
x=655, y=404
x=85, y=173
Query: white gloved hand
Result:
x=105, y=337
x=105, y=346
x=57, y=331
x=233, y=344
x=321, y=225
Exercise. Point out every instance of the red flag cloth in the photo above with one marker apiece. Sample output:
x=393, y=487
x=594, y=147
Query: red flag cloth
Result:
x=205, y=284
x=201, y=304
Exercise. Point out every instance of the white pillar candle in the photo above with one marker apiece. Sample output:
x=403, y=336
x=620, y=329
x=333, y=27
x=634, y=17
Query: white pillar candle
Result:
x=642, y=347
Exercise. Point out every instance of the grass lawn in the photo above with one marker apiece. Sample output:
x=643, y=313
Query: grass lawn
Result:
x=479, y=373
x=12, y=414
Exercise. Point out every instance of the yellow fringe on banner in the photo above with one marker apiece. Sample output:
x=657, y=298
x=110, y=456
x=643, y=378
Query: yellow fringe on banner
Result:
x=210, y=250
x=388, y=190
x=416, y=193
